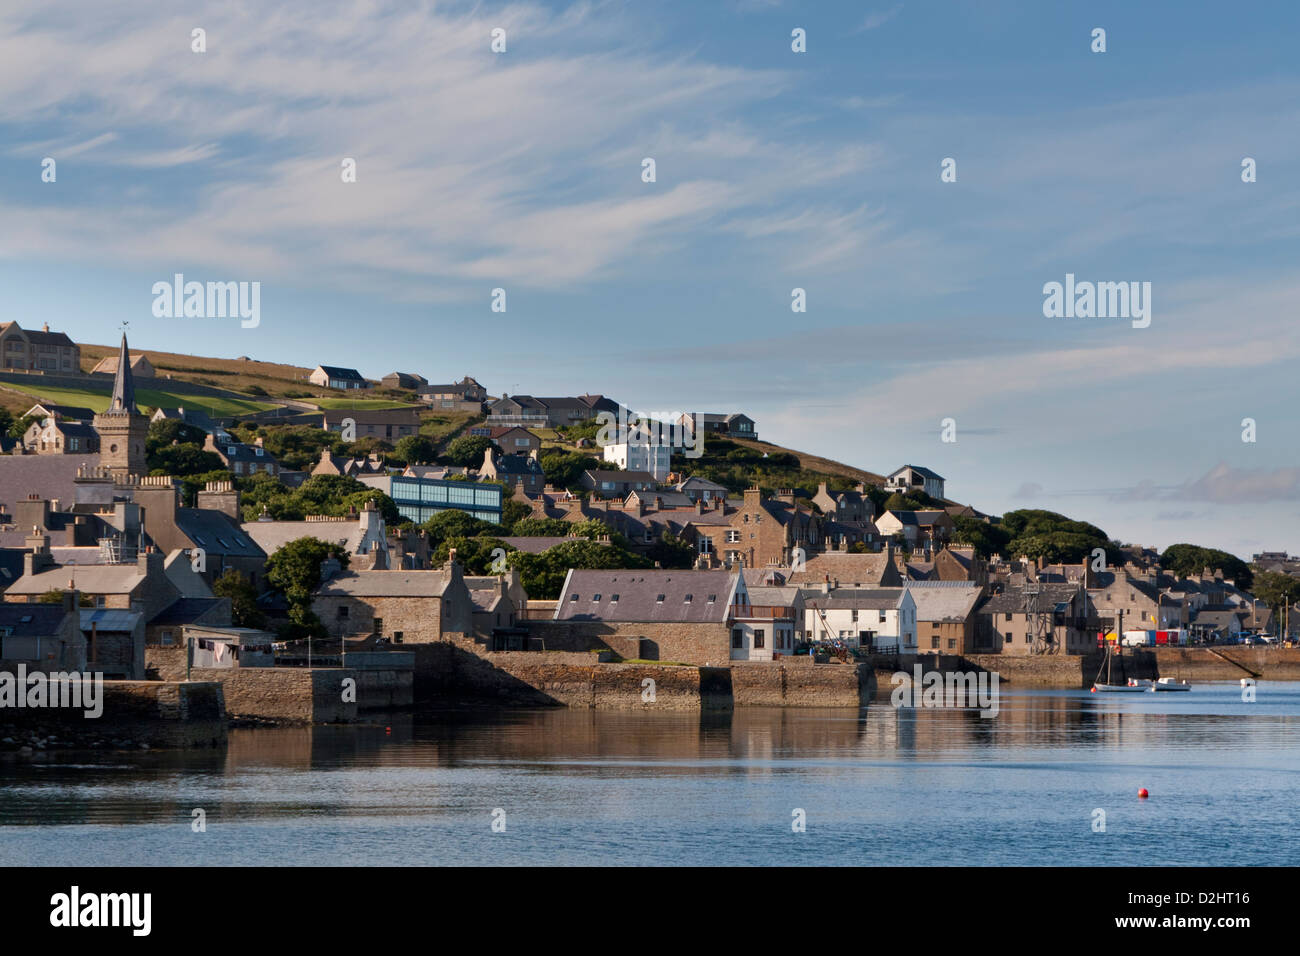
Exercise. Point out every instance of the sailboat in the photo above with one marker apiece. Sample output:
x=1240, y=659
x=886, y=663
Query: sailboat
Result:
x=1133, y=686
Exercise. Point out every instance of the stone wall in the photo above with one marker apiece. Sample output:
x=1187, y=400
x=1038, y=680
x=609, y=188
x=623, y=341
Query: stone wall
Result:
x=1231, y=662
x=156, y=713
x=796, y=682
x=291, y=694
x=697, y=643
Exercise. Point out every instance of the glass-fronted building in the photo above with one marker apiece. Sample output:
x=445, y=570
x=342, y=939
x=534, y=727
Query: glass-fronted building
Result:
x=419, y=499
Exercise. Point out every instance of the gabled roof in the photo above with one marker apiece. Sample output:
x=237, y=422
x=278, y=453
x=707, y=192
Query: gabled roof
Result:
x=685, y=596
x=923, y=472
x=31, y=620
x=386, y=584
x=866, y=599
x=216, y=532
x=333, y=371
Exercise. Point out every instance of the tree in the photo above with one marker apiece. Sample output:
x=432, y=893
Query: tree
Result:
x=55, y=596
x=541, y=528
x=1036, y=533
x=987, y=539
x=468, y=450
x=563, y=468
x=18, y=428
x=169, y=431
x=294, y=571
x=542, y=575
x=1188, y=559
x=455, y=523
x=671, y=551
x=1274, y=589
x=512, y=512
x=244, y=611
x=415, y=449
x=476, y=555
x=183, y=460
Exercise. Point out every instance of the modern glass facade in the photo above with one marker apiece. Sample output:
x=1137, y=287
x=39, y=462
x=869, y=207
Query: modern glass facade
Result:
x=419, y=499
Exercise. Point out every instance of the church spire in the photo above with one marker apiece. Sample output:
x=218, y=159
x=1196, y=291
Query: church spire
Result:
x=123, y=400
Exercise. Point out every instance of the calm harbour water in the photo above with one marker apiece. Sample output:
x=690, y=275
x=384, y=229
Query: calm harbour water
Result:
x=879, y=787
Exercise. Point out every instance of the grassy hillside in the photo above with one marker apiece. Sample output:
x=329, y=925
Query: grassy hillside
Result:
x=96, y=399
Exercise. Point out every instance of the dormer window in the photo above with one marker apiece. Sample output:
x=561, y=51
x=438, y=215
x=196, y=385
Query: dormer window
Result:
x=573, y=599
x=595, y=598
x=689, y=598
x=659, y=599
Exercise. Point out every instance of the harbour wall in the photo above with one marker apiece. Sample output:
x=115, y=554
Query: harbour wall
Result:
x=159, y=714
x=461, y=670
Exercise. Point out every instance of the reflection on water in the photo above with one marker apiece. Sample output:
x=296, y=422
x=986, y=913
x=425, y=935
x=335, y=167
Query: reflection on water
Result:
x=879, y=786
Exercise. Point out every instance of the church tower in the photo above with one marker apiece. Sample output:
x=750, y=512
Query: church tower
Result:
x=122, y=429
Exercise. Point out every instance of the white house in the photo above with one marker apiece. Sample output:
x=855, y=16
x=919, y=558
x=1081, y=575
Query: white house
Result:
x=882, y=619
x=915, y=478
x=768, y=625
x=641, y=456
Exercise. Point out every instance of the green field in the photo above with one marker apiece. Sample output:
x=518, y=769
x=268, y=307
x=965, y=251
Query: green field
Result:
x=360, y=403
x=97, y=400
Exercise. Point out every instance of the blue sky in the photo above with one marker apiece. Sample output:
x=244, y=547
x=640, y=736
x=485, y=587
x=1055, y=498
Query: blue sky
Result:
x=775, y=170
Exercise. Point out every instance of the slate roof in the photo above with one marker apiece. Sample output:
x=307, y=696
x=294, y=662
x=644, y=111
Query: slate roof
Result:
x=1015, y=600
x=923, y=472
x=864, y=570
x=638, y=596
x=31, y=620
x=271, y=536
x=864, y=599
x=333, y=371
x=945, y=603
x=386, y=584
x=50, y=476
x=187, y=610
x=217, y=533
x=109, y=619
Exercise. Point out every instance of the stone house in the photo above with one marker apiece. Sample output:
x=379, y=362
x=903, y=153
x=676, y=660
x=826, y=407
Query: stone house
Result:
x=42, y=637
x=1029, y=618
x=465, y=395
x=387, y=424
x=55, y=436
x=26, y=349
x=762, y=532
x=946, y=621
x=405, y=607
x=403, y=380
x=516, y=471
x=242, y=460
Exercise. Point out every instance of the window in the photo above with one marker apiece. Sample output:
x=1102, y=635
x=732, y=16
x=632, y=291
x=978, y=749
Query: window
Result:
x=1008, y=639
x=378, y=625
x=713, y=598
x=952, y=643
x=1007, y=616
x=934, y=643
x=689, y=598
x=882, y=618
x=595, y=598
x=760, y=639
x=613, y=599
x=342, y=612
x=737, y=638
x=733, y=536
x=397, y=637
x=659, y=599
x=99, y=600
x=573, y=599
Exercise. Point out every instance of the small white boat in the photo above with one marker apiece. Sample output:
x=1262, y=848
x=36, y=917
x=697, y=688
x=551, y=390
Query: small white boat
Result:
x=1168, y=683
x=1132, y=687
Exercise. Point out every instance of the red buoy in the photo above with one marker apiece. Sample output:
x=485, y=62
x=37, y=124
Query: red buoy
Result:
x=1142, y=793
x=1093, y=691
